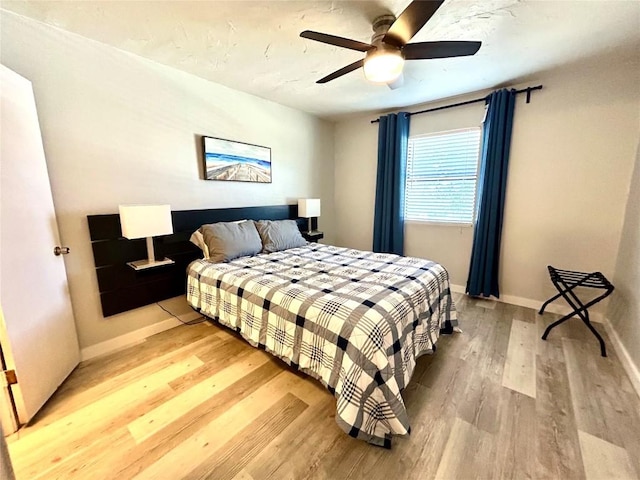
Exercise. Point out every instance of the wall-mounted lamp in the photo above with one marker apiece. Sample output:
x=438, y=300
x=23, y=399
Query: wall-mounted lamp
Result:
x=309, y=208
x=146, y=221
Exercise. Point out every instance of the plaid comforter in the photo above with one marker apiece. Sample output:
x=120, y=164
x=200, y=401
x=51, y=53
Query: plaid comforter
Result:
x=357, y=321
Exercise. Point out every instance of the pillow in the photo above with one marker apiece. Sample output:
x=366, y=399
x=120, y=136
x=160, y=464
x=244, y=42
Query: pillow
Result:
x=198, y=240
x=279, y=235
x=227, y=241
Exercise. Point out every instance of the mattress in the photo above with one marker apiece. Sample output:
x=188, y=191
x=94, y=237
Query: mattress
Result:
x=357, y=321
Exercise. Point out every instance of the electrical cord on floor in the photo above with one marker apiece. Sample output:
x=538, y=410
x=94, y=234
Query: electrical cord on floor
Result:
x=196, y=321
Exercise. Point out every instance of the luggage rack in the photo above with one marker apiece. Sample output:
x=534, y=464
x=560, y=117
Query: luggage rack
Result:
x=566, y=281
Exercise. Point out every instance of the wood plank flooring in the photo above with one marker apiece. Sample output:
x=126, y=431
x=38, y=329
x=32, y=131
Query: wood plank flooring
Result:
x=197, y=402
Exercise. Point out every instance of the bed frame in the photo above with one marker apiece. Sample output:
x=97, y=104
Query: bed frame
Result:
x=122, y=288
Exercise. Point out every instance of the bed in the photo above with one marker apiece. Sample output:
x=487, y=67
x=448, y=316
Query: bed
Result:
x=357, y=321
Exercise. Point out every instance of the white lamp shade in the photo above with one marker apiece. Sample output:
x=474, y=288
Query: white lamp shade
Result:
x=309, y=207
x=140, y=221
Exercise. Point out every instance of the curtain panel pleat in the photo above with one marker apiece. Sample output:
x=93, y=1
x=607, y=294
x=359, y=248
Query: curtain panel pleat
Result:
x=388, y=223
x=492, y=185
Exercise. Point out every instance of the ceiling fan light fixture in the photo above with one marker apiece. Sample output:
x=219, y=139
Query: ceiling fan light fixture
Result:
x=390, y=47
x=383, y=66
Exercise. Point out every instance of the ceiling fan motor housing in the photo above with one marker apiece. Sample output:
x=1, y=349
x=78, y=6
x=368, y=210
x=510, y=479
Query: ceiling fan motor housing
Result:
x=380, y=27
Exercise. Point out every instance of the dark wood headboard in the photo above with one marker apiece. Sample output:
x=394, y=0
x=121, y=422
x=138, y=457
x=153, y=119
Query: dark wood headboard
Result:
x=122, y=288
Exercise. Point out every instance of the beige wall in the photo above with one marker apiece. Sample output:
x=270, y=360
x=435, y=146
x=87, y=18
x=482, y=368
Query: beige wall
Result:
x=121, y=129
x=571, y=160
x=571, y=163
x=624, y=307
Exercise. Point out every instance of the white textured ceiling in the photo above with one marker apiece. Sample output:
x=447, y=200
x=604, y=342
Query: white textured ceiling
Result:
x=254, y=46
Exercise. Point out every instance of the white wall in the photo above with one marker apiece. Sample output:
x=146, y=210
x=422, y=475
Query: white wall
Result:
x=571, y=159
x=624, y=307
x=121, y=129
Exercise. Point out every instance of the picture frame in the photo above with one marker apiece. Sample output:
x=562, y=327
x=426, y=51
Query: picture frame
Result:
x=233, y=161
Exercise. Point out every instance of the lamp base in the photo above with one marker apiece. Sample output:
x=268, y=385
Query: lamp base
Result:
x=144, y=264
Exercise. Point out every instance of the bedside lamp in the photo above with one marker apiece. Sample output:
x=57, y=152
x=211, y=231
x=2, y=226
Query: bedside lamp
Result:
x=309, y=208
x=146, y=221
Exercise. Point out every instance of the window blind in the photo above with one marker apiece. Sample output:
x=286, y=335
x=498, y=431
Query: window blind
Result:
x=442, y=171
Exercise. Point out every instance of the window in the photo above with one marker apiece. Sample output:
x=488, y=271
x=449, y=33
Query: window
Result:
x=442, y=169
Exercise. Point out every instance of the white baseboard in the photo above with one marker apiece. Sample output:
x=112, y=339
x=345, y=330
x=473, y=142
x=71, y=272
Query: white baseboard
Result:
x=623, y=354
x=534, y=304
x=127, y=339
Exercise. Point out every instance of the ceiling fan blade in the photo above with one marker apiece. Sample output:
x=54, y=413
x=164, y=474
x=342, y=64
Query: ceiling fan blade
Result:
x=411, y=21
x=426, y=50
x=342, y=71
x=337, y=41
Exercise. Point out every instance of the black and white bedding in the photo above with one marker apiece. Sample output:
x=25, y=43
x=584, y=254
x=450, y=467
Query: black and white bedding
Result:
x=357, y=321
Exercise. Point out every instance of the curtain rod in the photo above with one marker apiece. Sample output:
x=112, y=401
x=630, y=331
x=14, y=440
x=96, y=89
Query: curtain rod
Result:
x=527, y=90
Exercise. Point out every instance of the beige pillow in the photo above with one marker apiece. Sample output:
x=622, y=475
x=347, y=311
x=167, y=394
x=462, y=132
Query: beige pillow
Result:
x=279, y=235
x=198, y=240
x=227, y=241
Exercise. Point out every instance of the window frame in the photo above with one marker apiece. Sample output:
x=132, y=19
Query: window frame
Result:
x=458, y=223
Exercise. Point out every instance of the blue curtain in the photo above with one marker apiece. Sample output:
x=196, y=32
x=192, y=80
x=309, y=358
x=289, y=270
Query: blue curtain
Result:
x=492, y=184
x=388, y=223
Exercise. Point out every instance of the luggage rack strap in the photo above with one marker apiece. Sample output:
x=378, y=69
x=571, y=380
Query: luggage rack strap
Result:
x=582, y=279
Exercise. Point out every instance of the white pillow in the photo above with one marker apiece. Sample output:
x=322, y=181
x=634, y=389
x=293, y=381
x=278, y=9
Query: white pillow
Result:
x=198, y=240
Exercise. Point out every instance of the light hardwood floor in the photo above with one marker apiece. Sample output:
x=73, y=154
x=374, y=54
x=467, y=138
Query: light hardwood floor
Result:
x=198, y=402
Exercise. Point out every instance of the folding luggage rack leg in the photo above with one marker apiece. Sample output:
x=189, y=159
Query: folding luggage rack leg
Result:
x=565, y=282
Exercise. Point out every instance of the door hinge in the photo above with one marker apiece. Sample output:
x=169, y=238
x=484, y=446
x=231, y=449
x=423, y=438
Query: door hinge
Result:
x=8, y=377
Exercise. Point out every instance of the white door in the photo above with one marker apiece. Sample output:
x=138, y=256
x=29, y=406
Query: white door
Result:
x=37, y=329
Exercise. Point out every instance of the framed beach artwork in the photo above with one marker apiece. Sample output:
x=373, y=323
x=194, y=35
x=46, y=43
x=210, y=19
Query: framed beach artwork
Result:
x=236, y=161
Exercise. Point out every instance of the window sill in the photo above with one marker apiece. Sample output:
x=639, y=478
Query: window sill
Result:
x=438, y=224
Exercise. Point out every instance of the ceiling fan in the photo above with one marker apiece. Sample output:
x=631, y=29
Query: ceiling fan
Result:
x=389, y=48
